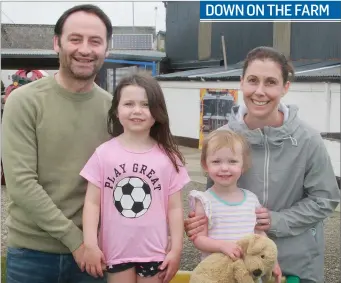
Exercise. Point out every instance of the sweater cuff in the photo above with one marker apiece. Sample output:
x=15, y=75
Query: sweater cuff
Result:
x=73, y=238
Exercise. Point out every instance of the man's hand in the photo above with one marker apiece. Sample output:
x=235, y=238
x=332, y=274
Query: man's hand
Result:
x=194, y=224
x=170, y=266
x=78, y=255
x=94, y=261
x=263, y=219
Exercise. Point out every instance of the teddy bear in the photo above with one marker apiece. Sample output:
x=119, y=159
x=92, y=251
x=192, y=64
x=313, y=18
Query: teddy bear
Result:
x=259, y=258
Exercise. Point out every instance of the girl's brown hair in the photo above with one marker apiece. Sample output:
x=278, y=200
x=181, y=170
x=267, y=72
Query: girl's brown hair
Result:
x=218, y=139
x=160, y=131
x=269, y=53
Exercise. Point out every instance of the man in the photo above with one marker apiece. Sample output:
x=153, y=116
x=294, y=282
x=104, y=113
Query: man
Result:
x=50, y=129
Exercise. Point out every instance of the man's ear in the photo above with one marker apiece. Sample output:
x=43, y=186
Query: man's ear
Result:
x=56, y=43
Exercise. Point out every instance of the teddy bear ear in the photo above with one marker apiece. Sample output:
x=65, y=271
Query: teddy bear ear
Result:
x=246, y=242
x=258, y=245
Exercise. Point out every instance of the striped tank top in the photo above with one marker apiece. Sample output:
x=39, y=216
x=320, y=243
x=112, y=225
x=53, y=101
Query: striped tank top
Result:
x=227, y=221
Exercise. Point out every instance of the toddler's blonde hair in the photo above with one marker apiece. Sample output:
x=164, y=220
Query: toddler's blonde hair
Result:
x=218, y=139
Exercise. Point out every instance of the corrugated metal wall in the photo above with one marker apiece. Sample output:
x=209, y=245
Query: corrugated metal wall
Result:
x=315, y=40
x=182, y=20
x=308, y=40
x=182, y=25
x=240, y=38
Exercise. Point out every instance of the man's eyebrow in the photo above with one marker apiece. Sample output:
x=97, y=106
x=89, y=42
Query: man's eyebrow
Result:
x=96, y=37
x=74, y=34
x=79, y=35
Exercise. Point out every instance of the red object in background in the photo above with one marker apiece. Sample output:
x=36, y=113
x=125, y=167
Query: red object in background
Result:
x=22, y=77
x=35, y=74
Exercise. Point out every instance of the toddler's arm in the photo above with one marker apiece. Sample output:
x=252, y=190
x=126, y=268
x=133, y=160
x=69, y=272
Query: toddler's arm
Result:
x=209, y=245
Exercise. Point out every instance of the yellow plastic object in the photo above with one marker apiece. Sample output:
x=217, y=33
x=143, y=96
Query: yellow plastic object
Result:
x=184, y=276
x=181, y=277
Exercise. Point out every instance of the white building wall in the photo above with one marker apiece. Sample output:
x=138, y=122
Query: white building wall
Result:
x=183, y=104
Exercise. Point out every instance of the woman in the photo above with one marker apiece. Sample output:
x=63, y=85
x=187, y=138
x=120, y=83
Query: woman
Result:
x=291, y=172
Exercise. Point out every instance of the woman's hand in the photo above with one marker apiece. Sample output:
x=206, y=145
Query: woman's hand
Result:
x=263, y=219
x=194, y=224
x=277, y=273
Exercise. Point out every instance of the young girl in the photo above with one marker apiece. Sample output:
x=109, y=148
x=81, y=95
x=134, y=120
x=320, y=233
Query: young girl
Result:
x=135, y=181
x=230, y=210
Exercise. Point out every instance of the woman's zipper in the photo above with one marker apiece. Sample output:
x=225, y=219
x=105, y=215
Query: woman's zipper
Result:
x=266, y=168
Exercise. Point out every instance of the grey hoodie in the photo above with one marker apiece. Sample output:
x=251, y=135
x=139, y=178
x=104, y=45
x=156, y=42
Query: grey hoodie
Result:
x=292, y=176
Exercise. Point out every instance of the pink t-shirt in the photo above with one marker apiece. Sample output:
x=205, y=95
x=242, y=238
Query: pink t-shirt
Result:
x=135, y=188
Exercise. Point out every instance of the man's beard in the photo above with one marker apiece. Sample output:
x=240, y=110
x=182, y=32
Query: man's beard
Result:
x=67, y=64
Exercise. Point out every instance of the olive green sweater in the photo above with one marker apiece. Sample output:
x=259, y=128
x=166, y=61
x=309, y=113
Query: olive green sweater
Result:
x=48, y=134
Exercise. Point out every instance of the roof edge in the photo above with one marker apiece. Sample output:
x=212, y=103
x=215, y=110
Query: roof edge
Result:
x=333, y=79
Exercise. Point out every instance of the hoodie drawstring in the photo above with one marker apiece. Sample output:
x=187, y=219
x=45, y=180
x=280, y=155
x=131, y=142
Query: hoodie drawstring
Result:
x=293, y=140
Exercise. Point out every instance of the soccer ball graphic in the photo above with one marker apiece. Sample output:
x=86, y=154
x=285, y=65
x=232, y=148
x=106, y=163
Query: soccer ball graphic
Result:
x=132, y=197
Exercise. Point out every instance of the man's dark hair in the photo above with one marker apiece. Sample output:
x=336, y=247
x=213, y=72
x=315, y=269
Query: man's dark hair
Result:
x=87, y=8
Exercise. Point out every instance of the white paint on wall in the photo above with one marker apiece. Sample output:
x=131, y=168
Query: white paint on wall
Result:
x=182, y=110
x=333, y=148
x=335, y=110
x=183, y=103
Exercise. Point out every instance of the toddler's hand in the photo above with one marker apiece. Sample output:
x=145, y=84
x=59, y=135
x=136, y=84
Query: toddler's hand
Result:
x=232, y=250
x=94, y=261
x=170, y=266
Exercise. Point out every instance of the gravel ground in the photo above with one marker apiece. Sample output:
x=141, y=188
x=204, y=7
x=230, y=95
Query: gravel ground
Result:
x=190, y=256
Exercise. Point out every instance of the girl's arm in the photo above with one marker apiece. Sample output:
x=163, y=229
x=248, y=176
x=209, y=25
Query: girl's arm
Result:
x=91, y=212
x=171, y=263
x=175, y=219
x=94, y=261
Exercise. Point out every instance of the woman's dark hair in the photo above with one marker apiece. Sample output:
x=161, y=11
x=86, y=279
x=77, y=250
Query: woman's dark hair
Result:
x=87, y=8
x=160, y=131
x=269, y=53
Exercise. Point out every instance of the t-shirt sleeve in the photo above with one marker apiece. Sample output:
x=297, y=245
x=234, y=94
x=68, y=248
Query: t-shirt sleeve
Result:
x=178, y=179
x=257, y=203
x=253, y=199
x=92, y=171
